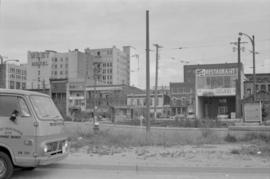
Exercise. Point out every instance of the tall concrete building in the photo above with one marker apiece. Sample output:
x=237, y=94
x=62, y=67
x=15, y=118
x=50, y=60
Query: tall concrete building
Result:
x=114, y=64
x=13, y=76
x=72, y=65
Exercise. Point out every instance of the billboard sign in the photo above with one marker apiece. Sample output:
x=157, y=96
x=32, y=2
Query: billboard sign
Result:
x=216, y=82
x=216, y=92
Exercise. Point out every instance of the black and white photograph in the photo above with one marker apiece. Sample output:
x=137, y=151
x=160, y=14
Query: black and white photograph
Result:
x=134, y=89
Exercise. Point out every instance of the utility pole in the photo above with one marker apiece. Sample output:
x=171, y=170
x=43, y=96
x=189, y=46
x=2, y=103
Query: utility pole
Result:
x=96, y=74
x=238, y=92
x=252, y=39
x=156, y=84
x=147, y=77
x=254, y=68
x=238, y=81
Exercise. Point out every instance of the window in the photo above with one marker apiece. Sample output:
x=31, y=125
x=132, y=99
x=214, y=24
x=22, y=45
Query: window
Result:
x=44, y=107
x=11, y=85
x=257, y=87
x=23, y=108
x=61, y=73
x=7, y=105
x=18, y=85
x=23, y=85
x=226, y=81
x=222, y=110
x=263, y=87
x=138, y=102
x=268, y=88
x=38, y=72
x=248, y=91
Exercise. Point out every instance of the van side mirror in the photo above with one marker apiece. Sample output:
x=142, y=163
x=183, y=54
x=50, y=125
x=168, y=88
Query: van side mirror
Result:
x=14, y=115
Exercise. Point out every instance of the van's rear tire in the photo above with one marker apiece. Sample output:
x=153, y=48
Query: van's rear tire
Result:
x=6, y=166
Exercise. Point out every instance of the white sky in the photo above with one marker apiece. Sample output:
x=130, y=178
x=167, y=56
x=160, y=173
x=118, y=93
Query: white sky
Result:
x=205, y=28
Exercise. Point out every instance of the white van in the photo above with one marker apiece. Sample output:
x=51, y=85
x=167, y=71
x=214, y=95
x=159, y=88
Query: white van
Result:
x=31, y=131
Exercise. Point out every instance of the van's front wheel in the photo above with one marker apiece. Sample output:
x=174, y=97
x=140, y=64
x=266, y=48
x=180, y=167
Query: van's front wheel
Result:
x=6, y=166
x=28, y=168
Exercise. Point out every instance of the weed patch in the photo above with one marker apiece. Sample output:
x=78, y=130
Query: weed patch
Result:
x=230, y=138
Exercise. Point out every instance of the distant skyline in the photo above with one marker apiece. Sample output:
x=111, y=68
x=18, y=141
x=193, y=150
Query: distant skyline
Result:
x=204, y=30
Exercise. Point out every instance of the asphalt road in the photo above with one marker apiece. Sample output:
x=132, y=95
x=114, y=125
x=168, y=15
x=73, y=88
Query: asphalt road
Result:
x=58, y=171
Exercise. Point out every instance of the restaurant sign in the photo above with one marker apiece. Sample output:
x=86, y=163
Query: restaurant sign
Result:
x=216, y=72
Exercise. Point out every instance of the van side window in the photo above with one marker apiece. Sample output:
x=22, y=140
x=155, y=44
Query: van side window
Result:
x=7, y=105
x=24, y=111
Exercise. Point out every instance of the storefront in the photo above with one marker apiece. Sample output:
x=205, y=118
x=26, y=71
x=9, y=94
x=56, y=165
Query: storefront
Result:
x=216, y=92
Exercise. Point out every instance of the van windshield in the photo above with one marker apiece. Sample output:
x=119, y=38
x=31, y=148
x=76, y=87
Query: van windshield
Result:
x=45, y=107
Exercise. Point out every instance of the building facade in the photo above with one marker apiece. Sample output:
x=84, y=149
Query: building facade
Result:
x=262, y=83
x=215, y=88
x=39, y=69
x=114, y=64
x=137, y=105
x=182, y=99
x=13, y=76
x=108, y=66
x=43, y=66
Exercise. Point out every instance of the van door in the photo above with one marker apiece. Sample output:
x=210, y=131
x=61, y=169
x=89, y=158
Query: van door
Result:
x=18, y=132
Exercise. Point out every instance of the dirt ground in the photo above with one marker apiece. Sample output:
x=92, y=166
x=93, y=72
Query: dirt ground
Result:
x=221, y=155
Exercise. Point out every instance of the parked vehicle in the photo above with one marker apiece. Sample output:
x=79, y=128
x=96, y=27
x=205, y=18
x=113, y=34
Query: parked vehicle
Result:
x=191, y=115
x=31, y=131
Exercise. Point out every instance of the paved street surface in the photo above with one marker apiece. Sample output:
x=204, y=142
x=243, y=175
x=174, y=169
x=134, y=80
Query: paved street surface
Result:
x=82, y=171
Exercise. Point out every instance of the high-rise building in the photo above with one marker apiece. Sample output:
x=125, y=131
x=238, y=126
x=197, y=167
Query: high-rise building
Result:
x=109, y=66
x=72, y=65
x=114, y=64
x=13, y=76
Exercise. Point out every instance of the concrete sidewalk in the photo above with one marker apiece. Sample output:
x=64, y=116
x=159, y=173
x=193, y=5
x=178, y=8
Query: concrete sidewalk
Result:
x=152, y=167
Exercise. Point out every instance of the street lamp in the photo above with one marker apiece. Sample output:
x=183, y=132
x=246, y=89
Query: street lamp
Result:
x=252, y=39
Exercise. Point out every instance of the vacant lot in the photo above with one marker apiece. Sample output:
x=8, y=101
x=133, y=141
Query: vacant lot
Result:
x=203, y=148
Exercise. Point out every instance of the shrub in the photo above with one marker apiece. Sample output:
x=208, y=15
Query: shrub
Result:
x=230, y=138
x=235, y=151
x=256, y=137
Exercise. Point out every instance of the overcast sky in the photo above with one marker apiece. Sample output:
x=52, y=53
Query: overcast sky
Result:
x=205, y=29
